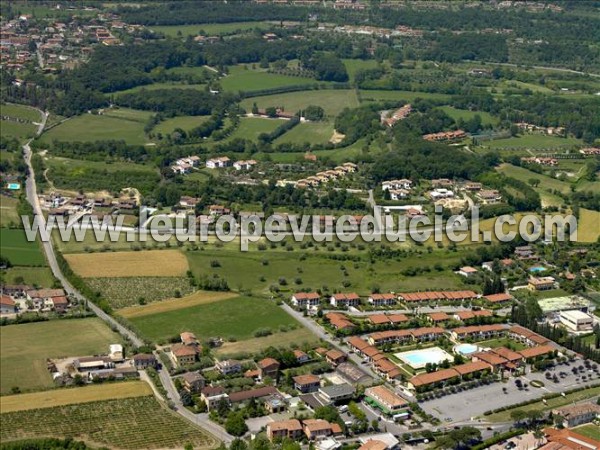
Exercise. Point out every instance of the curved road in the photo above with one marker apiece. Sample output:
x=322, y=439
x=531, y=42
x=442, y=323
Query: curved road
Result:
x=201, y=420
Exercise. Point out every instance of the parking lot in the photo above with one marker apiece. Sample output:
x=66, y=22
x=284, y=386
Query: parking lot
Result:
x=464, y=405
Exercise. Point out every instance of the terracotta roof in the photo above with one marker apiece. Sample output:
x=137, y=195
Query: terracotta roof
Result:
x=373, y=444
x=358, y=343
x=211, y=391
x=438, y=316
x=471, y=367
x=490, y=358
x=306, y=379
x=397, y=318
x=313, y=425
x=506, y=353
x=253, y=393
x=536, y=351
x=289, y=425
x=183, y=350
x=433, y=377
x=466, y=315
x=426, y=330
x=45, y=293
x=348, y=296
x=378, y=319
x=497, y=298
x=306, y=295
x=267, y=362
x=569, y=439
x=370, y=351
x=335, y=354
x=383, y=296
x=60, y=300
x=7, y=301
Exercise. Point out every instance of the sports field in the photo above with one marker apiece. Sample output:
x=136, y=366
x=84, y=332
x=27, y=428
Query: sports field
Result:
x=88, y=127
x=238, y=317
x=149, y=263
x=333, y=101
x=208, y=28
x=241, y=78
x=61, y=397
x=18, y=250
x=25, y=348
x=125, y=423
x=195, y=299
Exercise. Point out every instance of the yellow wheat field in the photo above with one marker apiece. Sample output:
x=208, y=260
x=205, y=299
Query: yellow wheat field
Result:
x=150, y=263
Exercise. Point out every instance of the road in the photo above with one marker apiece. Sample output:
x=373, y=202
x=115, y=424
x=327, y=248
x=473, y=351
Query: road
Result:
x=201, y=420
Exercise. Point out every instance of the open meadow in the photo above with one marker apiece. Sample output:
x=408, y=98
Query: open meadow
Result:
x=17, y=130
x=25, y=348
x=159, y=86
x=20, y=112
x=291, y=338
x=243, y=78
x=409, y=96
x=534, y=142
x=333, y=101
x=8, y=211
x=311, y=132
x=186, y=123
x=251, y=127
x=123, y=423
x=208, y=28
x=149, y=263
x=238, y=318
x=464, y=114
x=588, y=226
x=18, y=250
x=34, y=276
x=90, y=127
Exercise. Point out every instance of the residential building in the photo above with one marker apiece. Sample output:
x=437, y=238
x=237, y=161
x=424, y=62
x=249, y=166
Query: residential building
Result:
x=382, y=299
x=290, y=429
x=566, y=439
x=212, y=396
x=526, y=336
x=499, y=298
x=188, y=338
x=244, y=165
x=316, y=428
x=229, y=366
x=306, y=300
x=262, y=392
x=396, y=184
x=469, y=315
x=59, y=304
x=301, y=357
x=218, y=210
x=339, y=321
x=467, y=271
x=307, y=383
x=489, y=196
x=342, y=300
x=193, y=382
x=399, y=194
x=268, y=367
x=385, y=399
x=438, y=317
x=184, y=355
x=335, y=357
x=437, y=296
x=337, y=392
x=576, y=320
x=218, y=163
x=142, y=361
x=7, y=305
x=538, y=351
x=574, y=415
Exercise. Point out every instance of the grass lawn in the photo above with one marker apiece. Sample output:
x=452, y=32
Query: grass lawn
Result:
x=25, y=348
x=456, y=114
x=135, y=115
x=88, y=127
x=533, y=141
x=311, y=132
x=590, y=430
x=241, y=78
x=61, y=397
x=8, y=211
x=333, y=101
x=504, y=416
x=208, y=28
x=19, y=111
x=186, y=123
x=502, y=342
x=124, y=423
x=378, y=95
x=237, y=317
x=35, y=276
x=251, y=127
x=17, y=130
x=589, y=228
x=299, y=336
x=18, y=250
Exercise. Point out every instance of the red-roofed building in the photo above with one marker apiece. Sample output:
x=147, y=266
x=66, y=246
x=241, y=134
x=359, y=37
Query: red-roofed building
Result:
x=345, y=300
x=382, y=299
x=306, y=300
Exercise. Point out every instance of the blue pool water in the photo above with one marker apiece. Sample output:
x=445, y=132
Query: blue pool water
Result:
x=538, y=269
x=466, y=349
x=419, y=358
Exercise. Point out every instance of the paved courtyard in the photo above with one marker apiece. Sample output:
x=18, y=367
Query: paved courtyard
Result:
x=464, y=405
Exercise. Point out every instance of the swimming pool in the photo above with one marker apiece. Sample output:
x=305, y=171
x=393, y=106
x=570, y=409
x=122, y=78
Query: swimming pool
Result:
x=417, y=359
x=465, y=349
x=537, y=269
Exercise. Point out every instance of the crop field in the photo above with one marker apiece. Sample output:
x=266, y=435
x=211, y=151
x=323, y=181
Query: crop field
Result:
x=333, y=101
x=8, y=211
x=251, y=127
x=546, y=182
x=88, y=127
x=159, y=86
x=122, y=292
x=186, y=123
x=134, y=115
x=171, y=304
x=16, y=129
x=379, y=95
x=208, y=28
x=588, y=226
x=313, y=133
x=34, y=276
x=18, y=250
x=241, y=78
x=456, y=114
x=592, y=431
x=25, y=348
x=237, y=317
x=19, y=111
x=299, y=336
x=534, y=142
x=62, y=397
x=128, y=423
x=150, y=263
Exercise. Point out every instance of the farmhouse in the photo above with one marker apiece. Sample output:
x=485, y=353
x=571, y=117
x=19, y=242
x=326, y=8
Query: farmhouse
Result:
x=467, y=271
x=345, y=300
x=43, y=297
x=142, y=361
x=489, y=197
x=541, y=283
x=218, y=210
x=382, y=299
x=244, y=165
x=7, y=305
x=211, y=396
x=193, y=382
x=268, y=367
x=188, y=202
x=218, y=163
x=88, y=363
x=184, y=355
x=228, y=366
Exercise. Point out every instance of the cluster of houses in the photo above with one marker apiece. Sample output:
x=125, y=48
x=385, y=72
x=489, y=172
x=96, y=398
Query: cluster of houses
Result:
x=185, y=165
x=23, y=298
x=328, y=175
x=445, y=136
x=550, y=131
x=590, y=151
x=390, y=118
x=58, y=205
x=543, y=161
x=398, y=189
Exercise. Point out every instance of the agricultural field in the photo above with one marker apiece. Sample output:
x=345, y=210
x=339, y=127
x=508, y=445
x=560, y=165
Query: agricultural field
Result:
x=296, y=337
x=464, y=114
x=19, y=111
x=62, y=397
x=34, y=276
x=149, y=263
x=379, y=95
x=251, y=127
x=135, y=115
x=159, y=86
x=194, y=299
x=546, y=182
x=121, y=292
x=24, y=349
x=228, y=318
x=208, y=29
x=313, y=133
x=186, y=123
x=354, y=65
x=242, y=78
x=17, y=129
x=89, y=127
x=8, y=211
x=18, y=250
x=588, y=226
x=127, y=423
x=533, y=142
x=333, y=101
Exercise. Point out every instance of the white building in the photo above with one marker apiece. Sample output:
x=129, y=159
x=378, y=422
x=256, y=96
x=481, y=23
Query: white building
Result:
x=244, y=165
x=399, y=194
x=396, y=184
x=218, y=163
x=576, y=320
x=440, y=193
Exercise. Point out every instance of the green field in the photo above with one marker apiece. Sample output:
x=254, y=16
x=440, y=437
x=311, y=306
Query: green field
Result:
x=456, y=114
x=379, y=95
x=333, y=101
x=25, y=348
x=533, y=141
x=128, y=423
x=241, y=78
x=35, y=276
x=158, y=86
x=546, y=182
x=88, y=127
x=17, y=130
x=237, y=317
x=251, y=127
x=134, y=115
x=18, y=250
x=20, y=111
x=208, y=28
x=354, y=65
x=313, y=133
x=186, y=123
x=592, y=431
x=588, y=226
x=8, y=211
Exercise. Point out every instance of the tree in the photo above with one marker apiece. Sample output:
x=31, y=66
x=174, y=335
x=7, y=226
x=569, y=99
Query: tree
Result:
x=328, y=413
x=235, y=424
x=518, y=415
x=535, y=182
x=313, y=113
x=238, y=444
